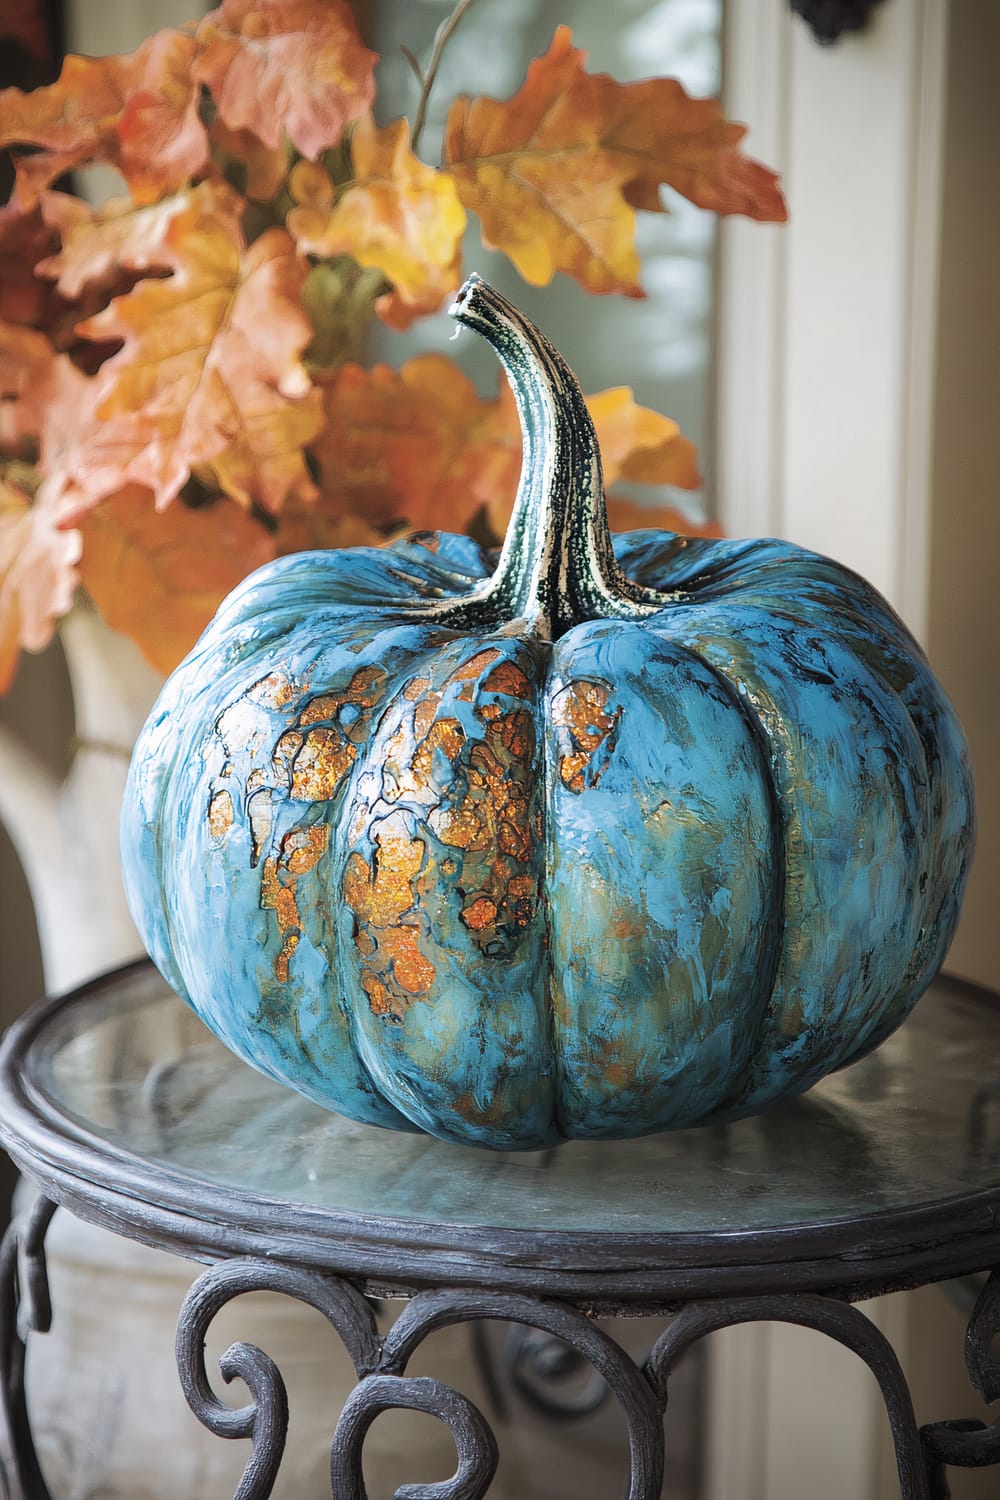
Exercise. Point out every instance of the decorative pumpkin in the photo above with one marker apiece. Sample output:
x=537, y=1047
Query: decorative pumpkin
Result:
x=606, y=837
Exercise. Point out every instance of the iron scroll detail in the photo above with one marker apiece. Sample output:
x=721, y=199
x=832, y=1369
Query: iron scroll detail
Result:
x=381, y=1361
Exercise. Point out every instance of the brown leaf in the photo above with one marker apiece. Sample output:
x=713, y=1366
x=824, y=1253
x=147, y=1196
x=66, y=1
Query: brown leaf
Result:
x=556, y=172
x=159, y=577
x=139, y=112
x=287, y=67
x=25, y=239
x=38, y=574
x=210, y=370
x=396, y=215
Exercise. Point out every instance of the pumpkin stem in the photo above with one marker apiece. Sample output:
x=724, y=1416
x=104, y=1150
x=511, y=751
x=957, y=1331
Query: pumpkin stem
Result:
x=557, y=566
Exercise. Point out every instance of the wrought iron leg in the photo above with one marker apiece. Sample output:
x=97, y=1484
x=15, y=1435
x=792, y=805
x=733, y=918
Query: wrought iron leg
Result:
x=24, y=1308
x=970, y=1444
x=383, y=1385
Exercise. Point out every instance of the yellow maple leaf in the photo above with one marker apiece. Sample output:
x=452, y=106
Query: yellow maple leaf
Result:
x=396, y=215
x=556, y=172
x=210, y=371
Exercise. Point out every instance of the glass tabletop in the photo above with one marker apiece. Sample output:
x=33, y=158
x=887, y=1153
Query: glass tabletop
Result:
x=916, y=1123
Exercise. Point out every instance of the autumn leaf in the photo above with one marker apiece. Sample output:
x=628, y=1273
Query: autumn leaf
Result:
x=396, y=215
x=210, y=371
x=97, y=245
x=25, y=239
x=159, y=578
x=556, y=172
x=38, y=575
x=641, y=445
x=139, y=112
x=418, y=446
x=287, y=67
x=415, y=445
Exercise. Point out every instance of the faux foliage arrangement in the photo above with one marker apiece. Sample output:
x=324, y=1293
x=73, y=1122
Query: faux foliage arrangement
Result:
x=183, y=393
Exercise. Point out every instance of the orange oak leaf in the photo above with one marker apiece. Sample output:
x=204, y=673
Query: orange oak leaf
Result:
x=556, y=172
x=210, y=371
x=286, y=67
x=159, y=578
x=38, y=574
x=139, y=112
x=414, y=446
x=396, y=215
x=98, y=244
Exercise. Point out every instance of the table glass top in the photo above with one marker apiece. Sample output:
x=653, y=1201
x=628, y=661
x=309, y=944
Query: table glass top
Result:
x=917, y=1122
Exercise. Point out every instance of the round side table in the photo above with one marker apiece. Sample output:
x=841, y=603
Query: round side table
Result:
x=119, y=1105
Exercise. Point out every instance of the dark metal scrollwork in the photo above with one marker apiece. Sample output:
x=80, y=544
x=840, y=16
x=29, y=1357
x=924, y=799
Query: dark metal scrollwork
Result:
x=25, y=1308
x=383, y=1384
x=970, y=1444
x=838, y=1320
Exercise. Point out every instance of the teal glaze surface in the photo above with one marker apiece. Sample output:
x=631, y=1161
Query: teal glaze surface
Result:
x=599, y=838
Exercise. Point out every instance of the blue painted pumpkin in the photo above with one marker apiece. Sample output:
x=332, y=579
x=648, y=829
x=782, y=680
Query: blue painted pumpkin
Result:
x=609, y=836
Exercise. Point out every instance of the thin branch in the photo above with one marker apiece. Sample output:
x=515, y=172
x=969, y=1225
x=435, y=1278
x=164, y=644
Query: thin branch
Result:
x=444, y=34
x=418, y=71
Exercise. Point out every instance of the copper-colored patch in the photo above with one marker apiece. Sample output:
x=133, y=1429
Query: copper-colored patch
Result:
x=508, y=678
x=321, y=764
x=492, y=824
x=277, y=897
x=480, y=914
x=423, y=714
x=416, y=688
x=410, y=967
x=220, y=814
x=302, y=847
x=273, y=691
x=394, y=970
x=475, y=666
x=283, y=959
x=580, y=707
x=314, y=763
